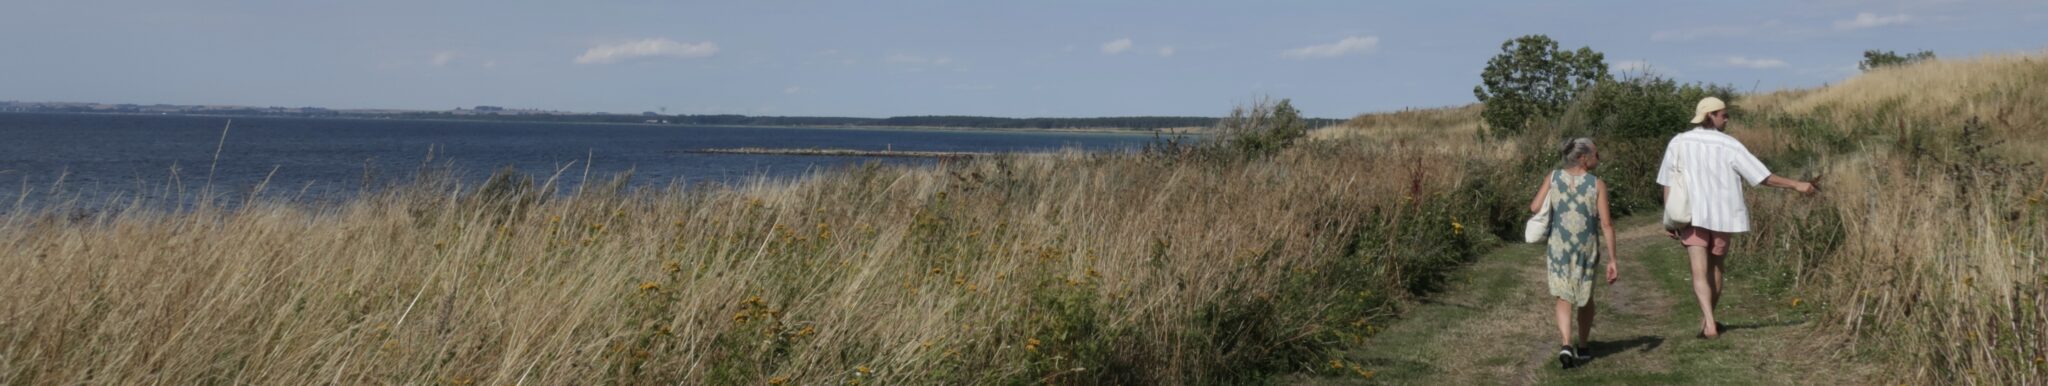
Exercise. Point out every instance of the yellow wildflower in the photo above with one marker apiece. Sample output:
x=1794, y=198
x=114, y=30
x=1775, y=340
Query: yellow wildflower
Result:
x=779, y=379
x=1031, y=345
x=649, y=286
x=1795, y=302
x=1362, y=372
x=1457, y=228
x=740, y=317
x=863, y=370
x=1336, y=364
x=807, y=331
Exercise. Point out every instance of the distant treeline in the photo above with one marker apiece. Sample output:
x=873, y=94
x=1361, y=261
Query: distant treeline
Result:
x=1134, y=123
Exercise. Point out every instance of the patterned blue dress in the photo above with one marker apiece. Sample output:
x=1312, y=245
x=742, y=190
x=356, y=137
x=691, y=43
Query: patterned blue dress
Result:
x=1574, y=237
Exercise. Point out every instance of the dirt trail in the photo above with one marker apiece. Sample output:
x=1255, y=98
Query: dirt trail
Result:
x=1495, y=325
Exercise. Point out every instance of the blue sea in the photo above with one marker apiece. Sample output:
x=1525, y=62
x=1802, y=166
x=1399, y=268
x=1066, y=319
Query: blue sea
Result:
x=96, y=159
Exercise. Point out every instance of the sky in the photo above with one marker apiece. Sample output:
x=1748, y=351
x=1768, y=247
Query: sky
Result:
x=891, y=58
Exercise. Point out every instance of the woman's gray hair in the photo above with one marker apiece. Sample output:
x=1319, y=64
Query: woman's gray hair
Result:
x=1573, y=149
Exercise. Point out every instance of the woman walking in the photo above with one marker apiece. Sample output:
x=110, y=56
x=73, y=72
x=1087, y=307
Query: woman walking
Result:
x=1576, y=199
x=1714, y=167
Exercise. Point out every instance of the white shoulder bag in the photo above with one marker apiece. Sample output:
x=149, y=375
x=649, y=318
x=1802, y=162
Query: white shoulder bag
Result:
x=1538, y=227
x=1677, y=204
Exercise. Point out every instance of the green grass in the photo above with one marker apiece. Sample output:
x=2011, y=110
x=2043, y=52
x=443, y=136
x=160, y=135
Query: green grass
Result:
x=1493, y=325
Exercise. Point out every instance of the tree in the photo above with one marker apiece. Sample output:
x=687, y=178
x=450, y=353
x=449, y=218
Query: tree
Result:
x=1873, y=59
x=1531, y=78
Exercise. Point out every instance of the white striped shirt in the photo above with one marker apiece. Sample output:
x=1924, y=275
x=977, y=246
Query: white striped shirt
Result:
x=1715, y=167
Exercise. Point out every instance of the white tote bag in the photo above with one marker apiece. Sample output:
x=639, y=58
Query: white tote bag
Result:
x=1677, y=204
x=1538, y=227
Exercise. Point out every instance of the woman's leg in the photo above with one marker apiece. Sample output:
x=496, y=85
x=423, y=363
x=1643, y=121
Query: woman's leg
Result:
x=1564, y=322
x=1715, y=263
x=1586, y=322
x=1703, y=287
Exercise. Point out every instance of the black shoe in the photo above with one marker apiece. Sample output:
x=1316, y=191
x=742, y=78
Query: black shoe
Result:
x=1566, y=358
x=1718, y=328
x=1580, y=354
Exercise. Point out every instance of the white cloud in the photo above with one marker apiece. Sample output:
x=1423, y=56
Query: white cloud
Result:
x=1116, y=46
x=442, y=58
x=645, y=48
x=1354, y=44
x=1871, y=20
x=792, y=90
x=1757, y=63
x=1166, y=51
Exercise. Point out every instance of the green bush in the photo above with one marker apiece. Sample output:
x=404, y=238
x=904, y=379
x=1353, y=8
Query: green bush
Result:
x=1874, y=59
x=1631, y=120
x=1262, y=129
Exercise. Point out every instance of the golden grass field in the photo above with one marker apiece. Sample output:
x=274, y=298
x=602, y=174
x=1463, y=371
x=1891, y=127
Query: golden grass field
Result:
x=1929, y=246
x=1059, y=268
x=1065, y=268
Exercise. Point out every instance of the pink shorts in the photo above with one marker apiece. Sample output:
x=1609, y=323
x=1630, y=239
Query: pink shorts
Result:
x=1716, y=242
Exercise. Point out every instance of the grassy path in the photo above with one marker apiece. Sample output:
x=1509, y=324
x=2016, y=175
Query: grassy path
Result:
x=1495, y=326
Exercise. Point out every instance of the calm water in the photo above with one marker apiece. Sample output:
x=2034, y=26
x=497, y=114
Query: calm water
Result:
x=104, y=156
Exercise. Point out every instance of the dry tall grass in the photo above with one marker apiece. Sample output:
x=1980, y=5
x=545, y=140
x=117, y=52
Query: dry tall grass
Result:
x=1461, y=123
x=1059, y=268
x=1928, y=247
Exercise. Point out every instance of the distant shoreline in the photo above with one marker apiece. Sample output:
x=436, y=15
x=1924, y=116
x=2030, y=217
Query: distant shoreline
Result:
x=836, y=152
x=1096, y=130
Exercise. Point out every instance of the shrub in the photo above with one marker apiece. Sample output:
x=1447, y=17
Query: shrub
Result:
x=1632, y=119
x=1874, y=59
x=1262, y=129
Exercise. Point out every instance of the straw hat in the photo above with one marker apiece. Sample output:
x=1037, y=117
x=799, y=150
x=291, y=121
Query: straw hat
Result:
x=1711, y=104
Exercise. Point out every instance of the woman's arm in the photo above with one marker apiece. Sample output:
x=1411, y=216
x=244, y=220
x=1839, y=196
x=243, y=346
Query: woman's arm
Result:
x=1536, y=204
x=1607, y=233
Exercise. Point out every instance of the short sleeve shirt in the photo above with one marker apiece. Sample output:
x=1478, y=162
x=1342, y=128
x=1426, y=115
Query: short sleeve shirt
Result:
x=1715, y=168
